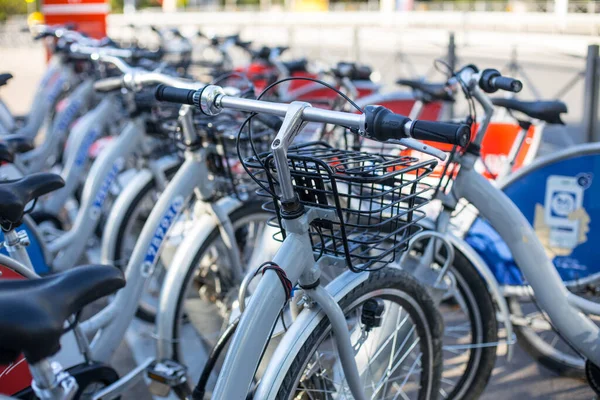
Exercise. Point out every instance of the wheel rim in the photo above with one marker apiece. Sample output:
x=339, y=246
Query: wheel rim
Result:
x=547, y=341
x=390, y=359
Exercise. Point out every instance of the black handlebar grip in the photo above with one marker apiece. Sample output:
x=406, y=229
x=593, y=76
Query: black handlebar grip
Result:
x=491, y=80
x=508, y=84
x=381, y=124
x=270, y=121
x=441, y=132
x=174, y=95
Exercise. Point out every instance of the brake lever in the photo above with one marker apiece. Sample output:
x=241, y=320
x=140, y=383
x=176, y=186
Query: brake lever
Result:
x=419, y=146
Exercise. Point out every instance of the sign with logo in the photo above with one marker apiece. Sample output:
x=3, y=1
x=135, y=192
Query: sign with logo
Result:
x=88, y=16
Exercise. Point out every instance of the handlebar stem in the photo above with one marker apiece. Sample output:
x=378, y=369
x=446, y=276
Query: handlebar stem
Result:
x=488, y=109
x=471, y=79
x=292, y=123
x=186, y=118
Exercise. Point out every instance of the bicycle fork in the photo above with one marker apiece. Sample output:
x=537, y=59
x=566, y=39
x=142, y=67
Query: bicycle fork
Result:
x=254, y=329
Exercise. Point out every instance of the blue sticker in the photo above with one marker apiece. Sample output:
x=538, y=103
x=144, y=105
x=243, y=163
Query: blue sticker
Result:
x=82, y=152
x=67, y=116
x=103, y=192
x=160, y=234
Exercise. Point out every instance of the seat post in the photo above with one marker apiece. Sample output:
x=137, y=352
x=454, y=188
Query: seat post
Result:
x=15, y=243
x=43, y=374
x=51, y=382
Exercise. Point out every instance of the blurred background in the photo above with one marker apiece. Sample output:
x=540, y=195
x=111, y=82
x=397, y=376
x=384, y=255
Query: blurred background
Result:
x=552, y=46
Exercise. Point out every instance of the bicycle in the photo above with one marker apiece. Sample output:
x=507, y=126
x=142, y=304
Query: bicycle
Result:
x=563, y=309
x=294, y=260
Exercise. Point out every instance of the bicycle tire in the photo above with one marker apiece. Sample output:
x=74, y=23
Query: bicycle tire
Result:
x=416, y=302
x=250, y=208
x=480, y=305
x=483, y=328
x=542, y=352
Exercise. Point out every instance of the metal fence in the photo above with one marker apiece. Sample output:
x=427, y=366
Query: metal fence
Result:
x=580, y=7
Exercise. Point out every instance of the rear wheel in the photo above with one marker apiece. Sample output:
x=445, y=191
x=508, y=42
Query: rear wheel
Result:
x=400, y=359
x=536, y=336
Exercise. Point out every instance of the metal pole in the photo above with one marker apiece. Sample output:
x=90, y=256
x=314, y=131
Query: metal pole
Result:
x=356, y=42
x=451, y=58
x=591, y=127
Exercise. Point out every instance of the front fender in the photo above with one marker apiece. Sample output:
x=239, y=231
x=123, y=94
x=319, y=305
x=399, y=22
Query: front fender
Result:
x=297, y=334
x=177, y=271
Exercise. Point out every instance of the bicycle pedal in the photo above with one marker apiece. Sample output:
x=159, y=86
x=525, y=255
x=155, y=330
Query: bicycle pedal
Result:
x=165, y=375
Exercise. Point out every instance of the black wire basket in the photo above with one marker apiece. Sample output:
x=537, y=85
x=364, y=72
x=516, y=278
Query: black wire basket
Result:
x=377, y=200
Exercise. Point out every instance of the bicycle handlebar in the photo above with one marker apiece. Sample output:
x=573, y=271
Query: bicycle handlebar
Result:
x=491, y=80
x=377, y=123
x=270, y=121
x=441, y=132
x=133, y=80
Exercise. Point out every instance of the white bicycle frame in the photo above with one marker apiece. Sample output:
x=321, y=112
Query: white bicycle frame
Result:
x=7, y=121
x=57, y=77
x=46, y=154
x=82, y=136
x=565, y=309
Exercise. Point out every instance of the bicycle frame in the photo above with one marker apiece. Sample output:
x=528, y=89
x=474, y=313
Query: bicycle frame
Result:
x=71, y=245
x=46, y=154
x=82, y=136
x=57, y=77
x=7, y=122
x=563, y=307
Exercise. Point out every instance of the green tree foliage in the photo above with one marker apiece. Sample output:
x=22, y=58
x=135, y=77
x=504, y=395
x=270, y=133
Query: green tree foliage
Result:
x=12, y=7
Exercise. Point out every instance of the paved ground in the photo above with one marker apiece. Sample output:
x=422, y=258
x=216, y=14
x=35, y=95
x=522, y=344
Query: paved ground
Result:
x=520, y=379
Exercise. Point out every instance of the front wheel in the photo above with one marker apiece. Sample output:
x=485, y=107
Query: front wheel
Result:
x=399, y=359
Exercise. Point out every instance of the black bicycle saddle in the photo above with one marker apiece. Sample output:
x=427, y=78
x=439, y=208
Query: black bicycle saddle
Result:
x=431, y=91
x=547, y=111
x=33, y=311
x=16, y=194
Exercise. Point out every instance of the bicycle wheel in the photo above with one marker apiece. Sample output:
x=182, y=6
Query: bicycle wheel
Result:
x=536, y=336
x=470, y=331
x=401, y=358
x=206, y=297
x=128, y=233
